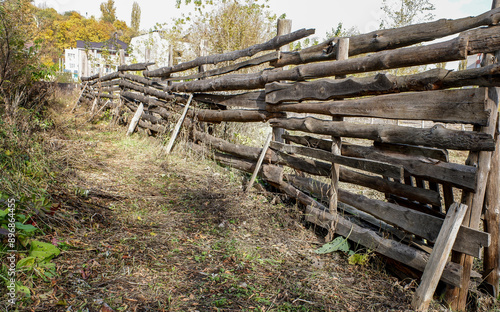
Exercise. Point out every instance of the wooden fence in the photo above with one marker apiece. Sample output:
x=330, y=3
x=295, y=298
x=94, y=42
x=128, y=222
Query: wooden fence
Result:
x=419, y=222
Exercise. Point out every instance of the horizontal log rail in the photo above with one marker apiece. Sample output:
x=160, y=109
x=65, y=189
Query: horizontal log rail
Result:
x=377, y=167
x=135, y=67
x=450, y=106
x=476, y=41
x=272, y=44
x=385, y=39
x=231, y=68
x=437, y=136
x=329, y=89
x=419, y=223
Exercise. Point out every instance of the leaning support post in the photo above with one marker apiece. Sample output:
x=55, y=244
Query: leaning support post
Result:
x=81, y=93
x=284, y=27
x=135, y=119
x=259, y=162
x=178, y=126
x=439, y=257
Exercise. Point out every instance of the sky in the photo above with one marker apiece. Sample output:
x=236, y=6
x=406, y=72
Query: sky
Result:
x=323, y=15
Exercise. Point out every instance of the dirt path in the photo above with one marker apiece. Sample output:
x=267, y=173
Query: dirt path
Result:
x=150, y=233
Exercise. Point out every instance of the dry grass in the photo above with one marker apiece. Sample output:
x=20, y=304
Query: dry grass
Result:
x=148, y=233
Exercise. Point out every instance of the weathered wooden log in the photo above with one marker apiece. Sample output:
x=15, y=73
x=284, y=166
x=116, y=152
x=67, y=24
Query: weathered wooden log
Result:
x=426, y=226
x=232, y=115
x=326, y=89
x=386, y=186
x=378, y=167
x=415, y=222
x=317, y=214
x=147, y=91
x=273, y=56
x=460, y=176
x=135, y=67
x=410, y=256
x=450, y=106
x=151, y=118
x=491, y=271
x=249, y=100
x=110, y=89
x=320, y=168
x=481, y=160
x=437, y=136
x=156, y=128
x=107, y=77
x=272, y=44
x=142, y=80
x=384, y=39
x=240, y=150
x=439, y=257
x=486, y=40
x=417, y=161
x=106, y=95
x=415, y=151
x=90, y=78
x=376, y=183
x=110, y=83
x=144, y=99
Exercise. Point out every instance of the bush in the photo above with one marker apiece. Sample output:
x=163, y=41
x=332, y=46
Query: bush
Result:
x=20, y=66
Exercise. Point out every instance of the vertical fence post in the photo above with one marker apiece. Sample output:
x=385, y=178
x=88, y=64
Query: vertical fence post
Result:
x=491, y=271
x=457, y=297
x=342, y=54
x=120, y=100
x=284, y=27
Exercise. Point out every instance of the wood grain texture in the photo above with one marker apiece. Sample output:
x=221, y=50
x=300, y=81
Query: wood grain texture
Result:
x=439, y=257
x=437, y=136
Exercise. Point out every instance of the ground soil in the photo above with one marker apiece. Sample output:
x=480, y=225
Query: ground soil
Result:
x=141, y=231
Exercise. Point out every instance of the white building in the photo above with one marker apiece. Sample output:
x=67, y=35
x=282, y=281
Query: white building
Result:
x=150, y=48
x=90, y=57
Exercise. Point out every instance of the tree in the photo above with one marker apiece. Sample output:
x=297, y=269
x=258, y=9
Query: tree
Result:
x=135, y=19
x=399, y=13
x=230, y=25
x=108, y=11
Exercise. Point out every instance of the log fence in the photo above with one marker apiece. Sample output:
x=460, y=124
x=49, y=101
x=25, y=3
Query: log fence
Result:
x=328, y=151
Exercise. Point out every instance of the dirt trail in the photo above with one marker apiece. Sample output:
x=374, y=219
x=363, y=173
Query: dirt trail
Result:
x=150, y=233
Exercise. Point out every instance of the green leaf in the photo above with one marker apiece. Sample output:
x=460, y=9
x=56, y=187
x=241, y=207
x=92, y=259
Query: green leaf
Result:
x=26, y=262
x=339, y=243
x=3, y=213
x=28, y=228
x=23, y=290
x=43, y=251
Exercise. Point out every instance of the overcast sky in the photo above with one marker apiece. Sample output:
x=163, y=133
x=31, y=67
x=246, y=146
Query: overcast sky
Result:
x=323, y=15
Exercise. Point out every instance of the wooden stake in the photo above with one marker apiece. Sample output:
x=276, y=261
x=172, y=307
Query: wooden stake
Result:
x=284, y=27
x=342, y=54
x=439, y=256
x=135, y=119
x=491, y=270
x=81, y=93
x=259, y=162
x=457, y=297
x=178, y=126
